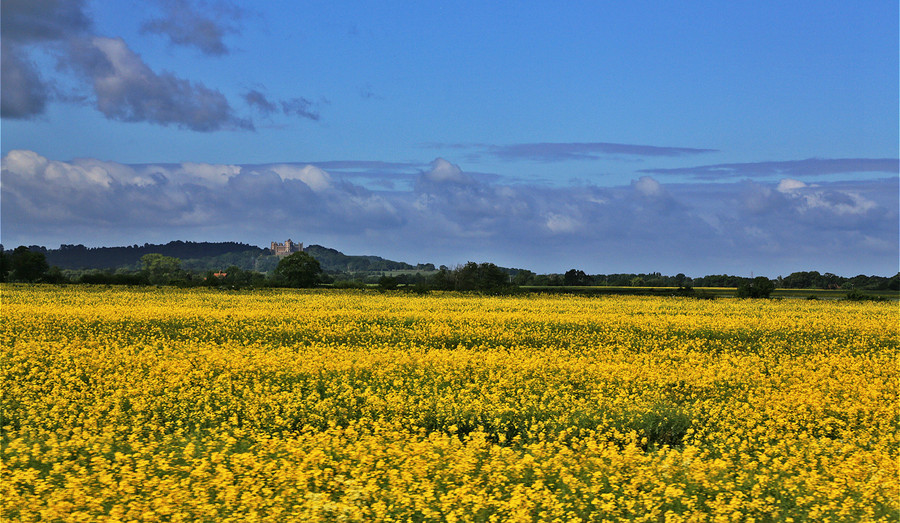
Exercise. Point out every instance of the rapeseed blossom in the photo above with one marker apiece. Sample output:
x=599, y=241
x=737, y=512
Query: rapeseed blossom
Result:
x=278, y=405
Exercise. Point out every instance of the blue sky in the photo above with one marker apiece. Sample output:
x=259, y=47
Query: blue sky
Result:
x=695, y=137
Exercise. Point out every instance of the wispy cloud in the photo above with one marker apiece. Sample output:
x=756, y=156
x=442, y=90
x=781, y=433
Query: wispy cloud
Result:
x=559, y=152
x=447, y=215
x=808, y=167
x=258, y=101
x=126, y=89
x=300, y=107
x=198, y=25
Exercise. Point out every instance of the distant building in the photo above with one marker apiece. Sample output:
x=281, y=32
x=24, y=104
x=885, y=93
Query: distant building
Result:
x=286, y=248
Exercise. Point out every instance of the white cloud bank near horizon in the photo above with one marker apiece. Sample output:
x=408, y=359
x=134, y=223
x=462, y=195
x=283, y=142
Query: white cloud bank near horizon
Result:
x=449, y=216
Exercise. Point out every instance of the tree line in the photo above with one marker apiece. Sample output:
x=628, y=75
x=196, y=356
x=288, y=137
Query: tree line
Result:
x=80, y=257
x=25, y=264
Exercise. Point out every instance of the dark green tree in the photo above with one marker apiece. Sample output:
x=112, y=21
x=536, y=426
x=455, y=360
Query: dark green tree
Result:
x=387, y=283
x=524, y=277
x=759, y=287
x=443, y=280
x=576, y=277
x=298, y=270
x=160, y=269
x=27, y=265
x=4, y=264
x=482, y=277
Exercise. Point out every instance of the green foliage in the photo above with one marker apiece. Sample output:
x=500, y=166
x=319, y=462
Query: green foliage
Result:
x=661, y=424
x=484, y=277
x=759, y=287
x=524, y=277
x=4, y=264
x=857, y=295
x=576, y=277
x=334, y=260
x=107, y=278
x=160, y=269
x=348, y=284
x=387, y=283
x=27, y=265
x=196, y=255
x=298, y=270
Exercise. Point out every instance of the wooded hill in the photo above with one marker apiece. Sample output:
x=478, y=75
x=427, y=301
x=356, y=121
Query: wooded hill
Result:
x=201, y=256
x=129, y=257
x=333, y=260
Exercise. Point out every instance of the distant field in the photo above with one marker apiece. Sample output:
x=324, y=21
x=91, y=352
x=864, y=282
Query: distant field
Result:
x=160, y=404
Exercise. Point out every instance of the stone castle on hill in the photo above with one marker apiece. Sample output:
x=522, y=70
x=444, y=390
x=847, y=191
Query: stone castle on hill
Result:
x=286, y=248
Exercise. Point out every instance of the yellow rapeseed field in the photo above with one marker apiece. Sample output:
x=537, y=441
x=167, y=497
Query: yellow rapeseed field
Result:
x=277, y=405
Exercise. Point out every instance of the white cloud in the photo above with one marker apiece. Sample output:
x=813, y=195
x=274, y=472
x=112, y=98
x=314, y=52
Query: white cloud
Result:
x=451, y=217
x=788, y=185
x=443, y=171
x=560, y=223
x=840, y=203
x=205, y=173
x=647, y=186
x=315, y=178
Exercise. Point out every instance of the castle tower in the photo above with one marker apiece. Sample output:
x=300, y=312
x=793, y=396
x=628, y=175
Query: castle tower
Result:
x=286, y=248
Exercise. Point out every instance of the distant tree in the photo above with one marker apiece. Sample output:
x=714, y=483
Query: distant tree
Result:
x=491, y=278
x=576, y=277
x=466, y=277
x=298, y=270
x=637, y=281
x=804, y=280
x=237, y=277
x=387, y=283
x=483, y=277
x=443, y=280
x=160, y=269
x=27, y=265
x=55, y=275
x=524, y=277
x=759, y=287
x=4, y=264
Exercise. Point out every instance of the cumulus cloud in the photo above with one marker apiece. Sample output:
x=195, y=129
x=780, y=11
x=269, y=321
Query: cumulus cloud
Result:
x=201, y=25
x=789, y=184
x=808, y=167
x=647, y=186
x=448, y=215
x=443, y=171
x=315, y=178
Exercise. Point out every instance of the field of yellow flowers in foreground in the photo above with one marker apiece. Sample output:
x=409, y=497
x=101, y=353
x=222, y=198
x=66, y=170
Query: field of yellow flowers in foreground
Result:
x=279, y=405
